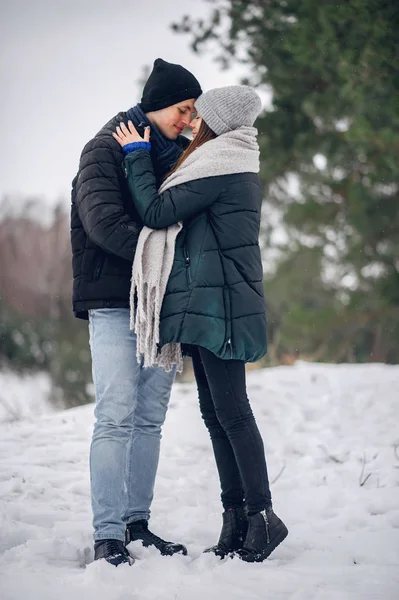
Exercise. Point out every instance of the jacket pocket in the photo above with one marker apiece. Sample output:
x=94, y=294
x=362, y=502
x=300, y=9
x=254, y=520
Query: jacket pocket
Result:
x=187, y=265
x=98, y=268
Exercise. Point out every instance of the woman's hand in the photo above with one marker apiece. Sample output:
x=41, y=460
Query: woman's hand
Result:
x=127, y=135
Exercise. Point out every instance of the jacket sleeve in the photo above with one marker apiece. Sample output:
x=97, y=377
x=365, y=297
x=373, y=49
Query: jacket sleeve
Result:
x=99, y=201
x=175, y=204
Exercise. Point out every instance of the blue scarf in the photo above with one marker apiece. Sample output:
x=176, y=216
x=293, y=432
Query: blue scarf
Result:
x=164, y=153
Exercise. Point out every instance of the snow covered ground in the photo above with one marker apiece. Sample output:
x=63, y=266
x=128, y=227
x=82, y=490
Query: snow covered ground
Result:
x=332, y=440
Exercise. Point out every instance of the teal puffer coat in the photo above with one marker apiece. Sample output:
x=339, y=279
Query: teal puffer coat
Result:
x=214, y=296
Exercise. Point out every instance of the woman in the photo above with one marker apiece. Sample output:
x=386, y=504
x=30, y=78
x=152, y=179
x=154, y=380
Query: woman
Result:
x=214, y=296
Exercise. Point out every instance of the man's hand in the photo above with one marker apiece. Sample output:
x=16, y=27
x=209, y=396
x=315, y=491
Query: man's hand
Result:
x=127, y=135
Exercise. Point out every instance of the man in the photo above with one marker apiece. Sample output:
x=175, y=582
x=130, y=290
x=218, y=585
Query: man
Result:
x=131, y=402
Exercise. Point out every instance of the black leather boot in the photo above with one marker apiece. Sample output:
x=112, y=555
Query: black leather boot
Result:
x=265, y=532
x=113, y=551
x=138, y=530
x=234, y=530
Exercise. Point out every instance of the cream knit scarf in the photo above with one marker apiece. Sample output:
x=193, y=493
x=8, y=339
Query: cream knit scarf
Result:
x=232, y=152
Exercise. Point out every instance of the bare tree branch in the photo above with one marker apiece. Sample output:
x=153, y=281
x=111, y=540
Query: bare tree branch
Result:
x=278, y=475
x=362, y=479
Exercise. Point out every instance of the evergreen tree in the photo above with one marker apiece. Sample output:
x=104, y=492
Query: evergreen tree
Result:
x=333, y=129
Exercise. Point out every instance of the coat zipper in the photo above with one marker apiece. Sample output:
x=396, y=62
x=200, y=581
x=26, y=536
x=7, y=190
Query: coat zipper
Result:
x=187, y=264
x=229, y=345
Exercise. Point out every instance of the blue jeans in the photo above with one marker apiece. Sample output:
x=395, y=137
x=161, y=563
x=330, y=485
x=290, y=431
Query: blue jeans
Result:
x=131, y=404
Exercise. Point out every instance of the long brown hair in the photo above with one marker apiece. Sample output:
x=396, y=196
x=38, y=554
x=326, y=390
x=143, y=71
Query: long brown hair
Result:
x=205, y=134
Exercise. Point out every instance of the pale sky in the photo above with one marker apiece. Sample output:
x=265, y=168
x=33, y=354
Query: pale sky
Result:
x=68, y=66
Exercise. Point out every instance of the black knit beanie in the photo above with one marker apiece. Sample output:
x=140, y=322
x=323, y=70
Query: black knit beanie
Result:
x=168, y=84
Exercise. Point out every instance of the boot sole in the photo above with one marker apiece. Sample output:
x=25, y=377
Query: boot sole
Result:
x=169, y=550
x=177, y=549
x=261, y=556
x=222, y=552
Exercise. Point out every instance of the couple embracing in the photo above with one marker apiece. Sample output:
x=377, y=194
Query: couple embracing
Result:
x=166, y=263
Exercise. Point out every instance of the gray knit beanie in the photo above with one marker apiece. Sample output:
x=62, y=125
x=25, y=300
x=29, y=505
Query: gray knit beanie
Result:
x=227, y=108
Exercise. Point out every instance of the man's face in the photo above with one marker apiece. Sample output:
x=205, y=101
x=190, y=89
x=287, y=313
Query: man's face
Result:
x=173, y=119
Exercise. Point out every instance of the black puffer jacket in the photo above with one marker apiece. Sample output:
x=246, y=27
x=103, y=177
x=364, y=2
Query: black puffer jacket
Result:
x=214, y=296
x=104, y=223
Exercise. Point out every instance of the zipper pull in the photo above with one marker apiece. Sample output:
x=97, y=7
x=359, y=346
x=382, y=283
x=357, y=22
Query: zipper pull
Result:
x=186, y=256
x=264, y=514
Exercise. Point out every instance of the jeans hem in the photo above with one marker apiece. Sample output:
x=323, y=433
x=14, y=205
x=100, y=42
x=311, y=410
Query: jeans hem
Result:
x=99, y=537
x=134, y=518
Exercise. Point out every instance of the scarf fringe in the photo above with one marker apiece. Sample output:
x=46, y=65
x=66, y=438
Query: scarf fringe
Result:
x=151, y=269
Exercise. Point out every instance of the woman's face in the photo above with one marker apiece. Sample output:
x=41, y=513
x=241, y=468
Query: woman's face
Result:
x=195, y=124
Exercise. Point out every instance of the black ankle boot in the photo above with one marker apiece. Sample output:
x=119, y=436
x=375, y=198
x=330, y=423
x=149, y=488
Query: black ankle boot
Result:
x=113, y=551
x=234, y=530
x=265, y=532
x=138, y=530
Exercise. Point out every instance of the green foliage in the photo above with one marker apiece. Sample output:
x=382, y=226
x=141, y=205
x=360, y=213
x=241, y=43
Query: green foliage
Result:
x=333, y=72
x=55, y=344
x=22, y=341
x=70, y=366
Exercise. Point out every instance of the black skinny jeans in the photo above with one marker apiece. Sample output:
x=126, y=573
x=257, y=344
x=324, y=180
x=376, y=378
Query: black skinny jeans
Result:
x=237, y=443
